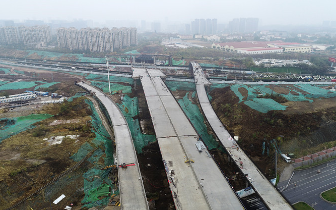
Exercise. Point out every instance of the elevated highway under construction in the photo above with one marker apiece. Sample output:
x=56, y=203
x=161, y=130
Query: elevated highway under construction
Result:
x=195, y=180
x=271, y=197
x=132, y=193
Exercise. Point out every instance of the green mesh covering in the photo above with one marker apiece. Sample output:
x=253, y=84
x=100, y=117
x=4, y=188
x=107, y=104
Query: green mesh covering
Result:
x=19, y=72
x=77, y=95
x=218, y=85
x=5, y=70
x=81, y=58
x=176, y=63
x=208, y=65
x=112, y=78
x=297, y=92
x=178, y=85
x=133, y=52
x=3, y=82
x=264, y=105
x=195, y=116
x=46, y=85
x=96, y=182
x=129, y=108
x=74, y=57
x=17, y=85
x=12, y=126
x=115, y=87
x=85, y=149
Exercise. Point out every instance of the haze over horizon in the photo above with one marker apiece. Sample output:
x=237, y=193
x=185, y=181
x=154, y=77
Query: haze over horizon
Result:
x=274, y=12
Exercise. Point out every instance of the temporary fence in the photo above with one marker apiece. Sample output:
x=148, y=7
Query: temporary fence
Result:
x=196, y=118
x=12, y=126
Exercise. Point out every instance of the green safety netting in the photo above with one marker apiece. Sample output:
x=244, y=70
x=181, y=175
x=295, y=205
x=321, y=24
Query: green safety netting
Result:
x=3, y=82
x=176, y=63
x=81, y=58
x=45, y=54
x=264, y=105
x=129, y=108
x=56, y=56
x=115, y=87
x=195, y=116
x=12, y=126
x=218, y=85
x=179, y=85
x=112, y=78
x=17, y=85
x=19, y=72
x=46, y=85
x=85, y=149
x=77, y=95
x=134, y=52
x=208, y=65
x=297, y=92
x=5, y=70
x=96, y=182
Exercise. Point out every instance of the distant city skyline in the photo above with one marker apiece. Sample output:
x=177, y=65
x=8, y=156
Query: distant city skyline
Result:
x=275, y=12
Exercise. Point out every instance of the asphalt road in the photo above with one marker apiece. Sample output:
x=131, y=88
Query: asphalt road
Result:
x=307, y=185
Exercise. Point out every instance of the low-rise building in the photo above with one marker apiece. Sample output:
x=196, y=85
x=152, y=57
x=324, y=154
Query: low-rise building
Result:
x=260, y=50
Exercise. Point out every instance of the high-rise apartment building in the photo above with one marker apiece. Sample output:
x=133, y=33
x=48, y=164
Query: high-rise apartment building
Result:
x=29, y=36
x=156, y=27
x=243, y=25
x=97, y=39
x=214, y=26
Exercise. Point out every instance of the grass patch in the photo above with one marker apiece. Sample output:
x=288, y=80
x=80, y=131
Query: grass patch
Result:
x=302, y=206
x=330, y=195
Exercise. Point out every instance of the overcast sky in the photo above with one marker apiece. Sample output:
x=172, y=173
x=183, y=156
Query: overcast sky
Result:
x=303, y=12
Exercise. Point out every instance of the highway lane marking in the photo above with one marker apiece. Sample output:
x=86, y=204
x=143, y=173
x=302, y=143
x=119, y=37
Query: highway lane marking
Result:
x=298, y=186
x=309, y=192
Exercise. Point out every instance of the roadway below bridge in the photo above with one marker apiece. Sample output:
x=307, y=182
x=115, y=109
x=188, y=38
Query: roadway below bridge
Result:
x=307, y=185
x=195, y=180
x=271, y=197
x=132, y=193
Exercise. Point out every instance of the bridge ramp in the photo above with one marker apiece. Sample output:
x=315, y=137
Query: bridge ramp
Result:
x=132, y=193
x=271, y=197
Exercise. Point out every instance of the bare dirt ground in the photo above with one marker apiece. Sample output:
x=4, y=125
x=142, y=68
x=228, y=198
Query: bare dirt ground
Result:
x=296, y=123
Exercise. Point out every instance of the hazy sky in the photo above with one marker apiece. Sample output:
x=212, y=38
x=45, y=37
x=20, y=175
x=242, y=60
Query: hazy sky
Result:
x=268, y=11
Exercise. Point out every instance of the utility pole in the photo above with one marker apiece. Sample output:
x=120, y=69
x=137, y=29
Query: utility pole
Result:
x=108, y=75
x=276, y=162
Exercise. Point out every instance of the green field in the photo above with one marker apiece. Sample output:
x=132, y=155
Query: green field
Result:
x=280, y=70
x=330, y=195
x=302, y=206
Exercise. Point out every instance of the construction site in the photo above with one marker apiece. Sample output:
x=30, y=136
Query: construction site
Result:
x=58, y=155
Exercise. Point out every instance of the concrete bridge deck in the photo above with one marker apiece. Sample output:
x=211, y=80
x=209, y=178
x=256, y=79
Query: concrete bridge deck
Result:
x=132, y=193
x=208, y=188
x=271, y=197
